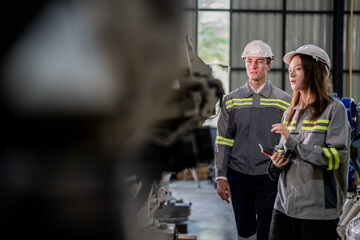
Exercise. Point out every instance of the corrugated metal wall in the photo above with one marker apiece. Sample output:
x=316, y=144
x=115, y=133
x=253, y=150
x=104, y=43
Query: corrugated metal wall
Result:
x=285, y=26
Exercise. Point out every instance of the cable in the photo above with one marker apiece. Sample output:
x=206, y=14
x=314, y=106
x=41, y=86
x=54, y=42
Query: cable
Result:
x=350, y=48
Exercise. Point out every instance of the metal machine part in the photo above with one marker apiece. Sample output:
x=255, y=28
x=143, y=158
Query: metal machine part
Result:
x=354, y=164
x=168, y=209
x=173, y=211
x=357, y=118
x=349, y=223
x=161, y=207
x=353, y=229
x=155, y=224
x=349, y=227
x=159, y=231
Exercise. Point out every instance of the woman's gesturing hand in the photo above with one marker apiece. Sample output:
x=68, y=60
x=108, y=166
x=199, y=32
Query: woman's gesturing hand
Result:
x=280, y=129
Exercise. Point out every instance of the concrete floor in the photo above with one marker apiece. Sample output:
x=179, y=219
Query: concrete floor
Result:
x=211, y=218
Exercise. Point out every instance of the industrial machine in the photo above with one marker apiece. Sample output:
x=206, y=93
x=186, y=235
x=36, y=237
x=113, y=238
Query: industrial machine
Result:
x=180, y=140
x=349, y=223
x=98, y=100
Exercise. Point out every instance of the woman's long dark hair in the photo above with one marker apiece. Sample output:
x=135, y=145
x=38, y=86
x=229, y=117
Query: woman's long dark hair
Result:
x=319, y=86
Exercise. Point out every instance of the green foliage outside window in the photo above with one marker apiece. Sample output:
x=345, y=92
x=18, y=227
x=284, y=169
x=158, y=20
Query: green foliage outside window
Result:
x=213, y=48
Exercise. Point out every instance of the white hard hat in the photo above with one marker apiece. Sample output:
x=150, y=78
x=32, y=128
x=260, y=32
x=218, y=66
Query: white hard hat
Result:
x=316, y=52
x=257, y=48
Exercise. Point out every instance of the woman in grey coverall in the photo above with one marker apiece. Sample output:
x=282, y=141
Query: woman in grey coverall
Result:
x=315, y=132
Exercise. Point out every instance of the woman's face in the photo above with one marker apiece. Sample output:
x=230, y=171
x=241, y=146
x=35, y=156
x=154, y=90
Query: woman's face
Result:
x=296, y=73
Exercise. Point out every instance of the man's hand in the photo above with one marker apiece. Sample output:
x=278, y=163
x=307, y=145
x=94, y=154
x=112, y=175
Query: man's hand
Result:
x=278, y=160
x=223, y=189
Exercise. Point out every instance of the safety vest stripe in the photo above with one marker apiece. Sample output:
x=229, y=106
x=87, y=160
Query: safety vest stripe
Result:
x=223, y=143
x=273, y=104
x=329, y=156
x=274, y=100
x=315, y=127
x=238, y=102
x=292, y=122
x=317, y=121
x=225, y=139
x=336, y=155
x=321, y=124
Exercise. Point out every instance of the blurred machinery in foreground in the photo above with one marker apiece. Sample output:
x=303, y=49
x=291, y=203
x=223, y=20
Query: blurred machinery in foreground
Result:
x=177, y=142
x=98, y=99
x=160, y=214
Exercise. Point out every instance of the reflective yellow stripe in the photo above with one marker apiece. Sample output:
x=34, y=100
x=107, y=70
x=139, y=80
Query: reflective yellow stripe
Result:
x=238, y=102
x=224, y=141
x=323, y=121
x=239, y=99
x=317, y=121
x=337, y=159
x=316, y=124
x=328, y=155
x=274, y=100
x=315, y=127
x=321, y=127
x=273, y=104
x=292, y=122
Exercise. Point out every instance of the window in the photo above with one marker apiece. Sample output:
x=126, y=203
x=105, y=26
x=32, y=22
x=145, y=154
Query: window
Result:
x=222, y=28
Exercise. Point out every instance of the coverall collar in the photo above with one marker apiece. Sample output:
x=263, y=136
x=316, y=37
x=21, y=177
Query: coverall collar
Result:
x=264, y=92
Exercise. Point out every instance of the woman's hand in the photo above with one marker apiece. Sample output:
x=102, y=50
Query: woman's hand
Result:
x=266, y=153
x=281, y=129
x=278, y=160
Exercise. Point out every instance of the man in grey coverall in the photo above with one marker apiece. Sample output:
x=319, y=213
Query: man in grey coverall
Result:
x=246, y=118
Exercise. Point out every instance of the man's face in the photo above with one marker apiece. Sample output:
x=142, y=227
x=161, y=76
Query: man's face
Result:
x=257, y=68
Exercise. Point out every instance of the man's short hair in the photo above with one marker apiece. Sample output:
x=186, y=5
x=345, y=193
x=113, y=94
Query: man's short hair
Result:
x=268, y=61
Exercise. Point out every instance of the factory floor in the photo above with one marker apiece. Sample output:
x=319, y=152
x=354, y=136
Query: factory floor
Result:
x=211, y=218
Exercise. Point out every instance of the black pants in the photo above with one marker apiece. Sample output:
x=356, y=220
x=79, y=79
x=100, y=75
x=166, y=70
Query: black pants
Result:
x=284, y=227
x=253, y=199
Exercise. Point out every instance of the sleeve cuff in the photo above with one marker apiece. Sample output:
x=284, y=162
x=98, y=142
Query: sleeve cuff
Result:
x=273, y=171
x=221, y=177
x=291, y=143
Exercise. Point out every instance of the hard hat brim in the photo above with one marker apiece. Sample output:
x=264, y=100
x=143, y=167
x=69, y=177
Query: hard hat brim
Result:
x=257, y=55
x=287, y=58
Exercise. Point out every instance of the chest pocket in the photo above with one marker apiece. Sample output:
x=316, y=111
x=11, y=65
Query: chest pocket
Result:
x=315, y=131
x=314, y=138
